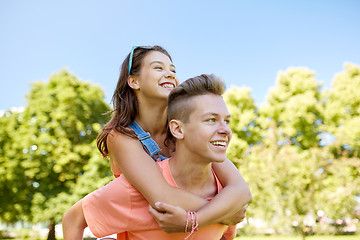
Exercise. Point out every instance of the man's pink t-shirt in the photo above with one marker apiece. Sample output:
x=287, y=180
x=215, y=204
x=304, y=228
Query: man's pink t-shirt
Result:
x=118, y=208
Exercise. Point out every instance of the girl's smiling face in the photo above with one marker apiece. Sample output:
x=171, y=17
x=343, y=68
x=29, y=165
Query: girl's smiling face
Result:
x=157, y=76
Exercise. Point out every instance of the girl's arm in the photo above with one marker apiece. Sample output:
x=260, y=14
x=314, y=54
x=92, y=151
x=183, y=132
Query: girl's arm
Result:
x=73, y=223
x=235, y=195
x=144, y=174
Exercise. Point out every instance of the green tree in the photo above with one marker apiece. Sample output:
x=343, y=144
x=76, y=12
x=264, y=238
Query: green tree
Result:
x=291, y=175
x=290, y=185
x=342, y=184
x=15, y=189
x=342, y=112
x=294, y=104
x=244, y=125
x=54, y=147
x=341, y=130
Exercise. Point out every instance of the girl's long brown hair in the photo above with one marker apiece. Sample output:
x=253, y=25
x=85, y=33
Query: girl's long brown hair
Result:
x=124, y=99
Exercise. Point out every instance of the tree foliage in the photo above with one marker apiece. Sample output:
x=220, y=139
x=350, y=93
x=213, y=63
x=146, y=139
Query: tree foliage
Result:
x=49, y=148
x=342, y=111
x=244, y=124
x=15, y=187
x=293, y=171
x=294, y=105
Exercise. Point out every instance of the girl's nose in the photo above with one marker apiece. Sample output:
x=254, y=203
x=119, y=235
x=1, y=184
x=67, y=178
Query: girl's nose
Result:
x=170, y=74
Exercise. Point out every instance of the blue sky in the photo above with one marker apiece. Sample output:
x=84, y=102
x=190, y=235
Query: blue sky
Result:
x=244, y=42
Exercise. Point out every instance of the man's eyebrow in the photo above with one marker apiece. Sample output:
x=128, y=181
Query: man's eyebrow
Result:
x=160, y=62
x=215, y=114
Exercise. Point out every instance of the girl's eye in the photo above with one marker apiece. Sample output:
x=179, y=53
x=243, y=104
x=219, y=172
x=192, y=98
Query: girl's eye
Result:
x=158, y=67
x=174, y=71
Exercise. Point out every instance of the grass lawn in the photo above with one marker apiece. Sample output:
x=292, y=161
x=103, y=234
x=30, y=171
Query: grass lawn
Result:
x=352, y=237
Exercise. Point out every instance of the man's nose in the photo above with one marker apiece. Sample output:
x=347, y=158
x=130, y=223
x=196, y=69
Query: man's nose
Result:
x=224, y=128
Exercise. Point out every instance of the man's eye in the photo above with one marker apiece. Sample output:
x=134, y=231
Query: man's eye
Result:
x=211, y=120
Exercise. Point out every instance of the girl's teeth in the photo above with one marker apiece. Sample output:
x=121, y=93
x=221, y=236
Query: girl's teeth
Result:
x=168, y=86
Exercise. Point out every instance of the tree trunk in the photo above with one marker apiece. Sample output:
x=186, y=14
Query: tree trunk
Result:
x=303, y=233
x=51, y=235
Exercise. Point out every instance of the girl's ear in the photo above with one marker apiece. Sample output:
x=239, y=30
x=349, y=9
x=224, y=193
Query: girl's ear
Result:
x=133, y=82
x=176, y=129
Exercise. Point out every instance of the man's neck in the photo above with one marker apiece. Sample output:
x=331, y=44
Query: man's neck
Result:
x=192, y=175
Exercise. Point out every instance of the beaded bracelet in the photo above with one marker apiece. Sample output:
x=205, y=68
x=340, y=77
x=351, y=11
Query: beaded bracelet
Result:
x=191, y=218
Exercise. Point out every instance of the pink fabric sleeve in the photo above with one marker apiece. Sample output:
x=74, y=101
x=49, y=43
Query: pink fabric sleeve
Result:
x=108, y=209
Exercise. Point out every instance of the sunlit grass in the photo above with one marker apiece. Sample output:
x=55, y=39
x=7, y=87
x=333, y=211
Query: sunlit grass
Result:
x=352, y=237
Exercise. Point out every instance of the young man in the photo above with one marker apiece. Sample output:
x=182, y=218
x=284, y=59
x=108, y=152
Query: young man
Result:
x=198, y=124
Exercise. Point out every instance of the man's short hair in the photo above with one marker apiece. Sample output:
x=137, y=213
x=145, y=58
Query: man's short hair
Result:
x=179, y=102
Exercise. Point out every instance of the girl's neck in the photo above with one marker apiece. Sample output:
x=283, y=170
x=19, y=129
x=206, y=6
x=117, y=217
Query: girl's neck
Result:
x=152, y=116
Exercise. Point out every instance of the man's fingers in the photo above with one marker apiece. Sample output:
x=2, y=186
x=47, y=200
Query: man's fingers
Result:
x=154, y=212
x=164, y=207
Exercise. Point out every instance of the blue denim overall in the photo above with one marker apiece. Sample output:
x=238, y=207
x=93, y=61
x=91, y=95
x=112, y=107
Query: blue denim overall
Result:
x=148, y=143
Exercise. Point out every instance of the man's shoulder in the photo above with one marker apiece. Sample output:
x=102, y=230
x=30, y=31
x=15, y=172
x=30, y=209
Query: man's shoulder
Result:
x=164, y=164
x=166, y=171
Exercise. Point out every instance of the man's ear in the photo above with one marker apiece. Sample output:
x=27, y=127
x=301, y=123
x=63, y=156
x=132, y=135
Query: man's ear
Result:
x=176, y=129
x=133, y=82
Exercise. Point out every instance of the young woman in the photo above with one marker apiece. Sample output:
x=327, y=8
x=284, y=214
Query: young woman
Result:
x=147, y=76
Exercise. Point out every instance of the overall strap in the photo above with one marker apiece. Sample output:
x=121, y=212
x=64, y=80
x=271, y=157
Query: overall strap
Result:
x=148, y=143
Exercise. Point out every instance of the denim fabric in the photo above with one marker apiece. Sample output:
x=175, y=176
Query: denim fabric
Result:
x=148, y=143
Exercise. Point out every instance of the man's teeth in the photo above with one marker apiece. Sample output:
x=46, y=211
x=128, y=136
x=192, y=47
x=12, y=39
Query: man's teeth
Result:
x=219, y=143
x=167, y=85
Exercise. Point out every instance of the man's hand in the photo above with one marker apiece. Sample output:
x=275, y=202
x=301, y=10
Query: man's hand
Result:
x=236, y=218
x=170, y=218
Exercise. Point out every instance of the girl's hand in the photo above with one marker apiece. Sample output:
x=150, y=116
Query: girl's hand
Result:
x=169, y=217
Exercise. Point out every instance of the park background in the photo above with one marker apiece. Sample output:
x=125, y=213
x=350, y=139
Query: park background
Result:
x=292, y=70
